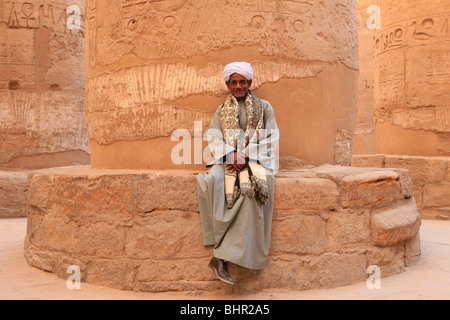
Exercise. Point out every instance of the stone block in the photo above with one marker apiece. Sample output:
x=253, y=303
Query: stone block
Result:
x=441, y=213
x=423, y=170
x=390, y=260
x=412, y=251
x=406, y=183
x=166, y=235
x=96, y=196
x=347, y=227
x=111, y=224
x=306, y=194
x=84, y=237
x=418, y=196
x=172, y=270
x=370, y=188
x=39, y=192
x=112, y=273
x=288, y=271
x=13, y=194
x=40, y=259
x=436, y=195
x=392, y=225
x=337, y=269
x=182, y=286
x=368, y=161
x=298, y=233
x=152, y=192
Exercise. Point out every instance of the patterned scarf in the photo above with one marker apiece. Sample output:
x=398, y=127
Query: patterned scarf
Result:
x=251, y=182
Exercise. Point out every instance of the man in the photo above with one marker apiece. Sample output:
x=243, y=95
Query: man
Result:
x=236, y=195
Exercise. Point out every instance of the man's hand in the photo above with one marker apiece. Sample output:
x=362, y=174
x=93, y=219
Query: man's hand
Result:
x=237, y=162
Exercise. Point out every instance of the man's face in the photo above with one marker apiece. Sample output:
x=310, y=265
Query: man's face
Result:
x=239, y=86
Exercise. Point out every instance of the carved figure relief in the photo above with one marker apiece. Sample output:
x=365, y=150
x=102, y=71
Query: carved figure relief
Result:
x=413, y=32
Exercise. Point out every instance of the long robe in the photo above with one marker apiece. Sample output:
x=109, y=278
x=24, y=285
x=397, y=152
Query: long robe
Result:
x=241, y=235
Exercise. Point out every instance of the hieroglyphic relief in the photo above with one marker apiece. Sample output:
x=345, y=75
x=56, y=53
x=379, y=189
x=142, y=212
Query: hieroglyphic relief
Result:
x=32, y=15
x=191, y=20
x=42, y=97
x=185, y=28
x=17, y=59
x=290, y=10
x=412, y=73
x=413, y=32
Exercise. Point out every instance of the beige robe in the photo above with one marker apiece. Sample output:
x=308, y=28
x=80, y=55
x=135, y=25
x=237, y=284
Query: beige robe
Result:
x=241, y=235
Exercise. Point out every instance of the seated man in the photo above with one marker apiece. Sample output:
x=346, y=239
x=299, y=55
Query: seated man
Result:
x=236, y=196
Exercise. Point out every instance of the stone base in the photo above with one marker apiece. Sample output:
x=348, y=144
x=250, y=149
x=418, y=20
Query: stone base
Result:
x=140, y=230
x=13, y=194
x=430, y=178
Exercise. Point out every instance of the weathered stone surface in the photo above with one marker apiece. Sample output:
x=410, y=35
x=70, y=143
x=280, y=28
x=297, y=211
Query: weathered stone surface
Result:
x=346, y=227
x=422, y=169
x=389, y=259
x=339, y=269
x=412, y=251
x=137, y=97
x=370, y=188
x=102, y=226
x=174, y=270
x=165, y=235
x=148, y=195
x=436, y=195
x=42, y=74
x=39, y=192
x=404, y=86
x=425, y=178
x=369, y=161
x=113, y=273
x=57, y=233
x=365, y=141
x=13, y=194
x=389, y=226
x=406, y=184
x=302, y=234
x=306, y=194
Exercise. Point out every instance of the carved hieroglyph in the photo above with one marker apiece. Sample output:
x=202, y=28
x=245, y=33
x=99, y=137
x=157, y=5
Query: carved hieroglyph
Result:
x=412, y=78
x=155, y=66
x=42, y=74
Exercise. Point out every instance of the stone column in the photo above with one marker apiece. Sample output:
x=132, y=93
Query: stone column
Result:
x=42, y=99
x=155, y=66
x=412, y=78
x=368, y=23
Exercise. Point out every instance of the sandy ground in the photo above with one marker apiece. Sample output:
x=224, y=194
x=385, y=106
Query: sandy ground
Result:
x=428, y=280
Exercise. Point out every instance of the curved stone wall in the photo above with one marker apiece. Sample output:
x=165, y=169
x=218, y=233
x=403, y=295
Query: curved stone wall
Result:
x=127, y=230
x=154, y=67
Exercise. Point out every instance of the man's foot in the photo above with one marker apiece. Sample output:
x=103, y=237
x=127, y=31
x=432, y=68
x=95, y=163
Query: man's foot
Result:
x=220, y=267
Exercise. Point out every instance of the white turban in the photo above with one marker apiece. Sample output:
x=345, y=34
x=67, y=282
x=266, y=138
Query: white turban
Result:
x=242, y=68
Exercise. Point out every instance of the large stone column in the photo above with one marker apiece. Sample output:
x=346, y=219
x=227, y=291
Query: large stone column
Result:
x=42, y=99
x=155, y=66
x=412, y=78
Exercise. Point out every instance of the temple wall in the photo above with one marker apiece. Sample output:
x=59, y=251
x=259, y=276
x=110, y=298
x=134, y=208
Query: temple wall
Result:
x=411, y=70
x=42, y=74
